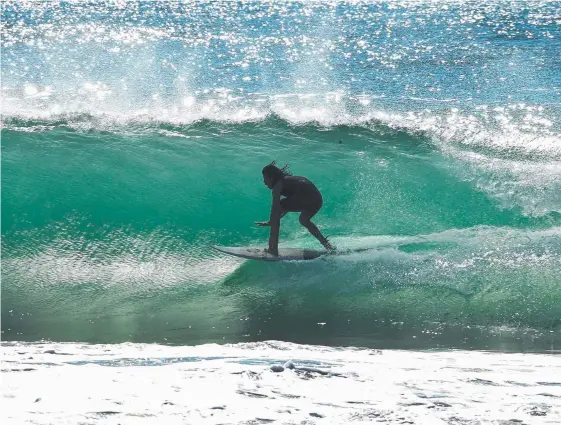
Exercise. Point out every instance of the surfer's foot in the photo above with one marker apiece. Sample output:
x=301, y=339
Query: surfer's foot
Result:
x=327, y=245
x=276, y=254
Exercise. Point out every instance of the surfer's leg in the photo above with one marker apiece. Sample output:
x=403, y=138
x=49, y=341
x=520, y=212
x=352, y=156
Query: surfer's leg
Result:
x=305, y=221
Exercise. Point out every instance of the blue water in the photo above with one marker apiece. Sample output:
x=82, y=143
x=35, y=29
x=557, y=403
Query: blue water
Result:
x=133, y=135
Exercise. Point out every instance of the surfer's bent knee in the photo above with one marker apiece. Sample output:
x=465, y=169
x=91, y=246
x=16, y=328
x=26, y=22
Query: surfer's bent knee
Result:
x=304, y=219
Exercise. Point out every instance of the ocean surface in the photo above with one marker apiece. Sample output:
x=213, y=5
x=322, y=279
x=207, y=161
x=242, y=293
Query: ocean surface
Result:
x=132, y=140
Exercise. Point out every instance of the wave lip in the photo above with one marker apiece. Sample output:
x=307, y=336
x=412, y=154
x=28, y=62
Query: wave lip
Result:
x=514, y=130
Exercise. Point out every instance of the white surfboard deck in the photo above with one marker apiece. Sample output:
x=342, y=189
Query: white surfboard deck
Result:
x=285, y=254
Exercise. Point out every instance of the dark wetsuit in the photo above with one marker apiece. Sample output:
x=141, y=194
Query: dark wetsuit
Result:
x=301, y=195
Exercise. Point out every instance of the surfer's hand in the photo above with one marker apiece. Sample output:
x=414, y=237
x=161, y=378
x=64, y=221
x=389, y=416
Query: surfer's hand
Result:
x=263, y=223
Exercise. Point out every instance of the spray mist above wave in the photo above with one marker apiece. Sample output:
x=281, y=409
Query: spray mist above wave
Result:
x=159, y=55
x=408, y=66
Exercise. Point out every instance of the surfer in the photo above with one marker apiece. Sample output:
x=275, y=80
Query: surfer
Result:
x=300, y=195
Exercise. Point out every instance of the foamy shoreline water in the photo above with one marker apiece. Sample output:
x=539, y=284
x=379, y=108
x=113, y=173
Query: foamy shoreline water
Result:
x=46, y=383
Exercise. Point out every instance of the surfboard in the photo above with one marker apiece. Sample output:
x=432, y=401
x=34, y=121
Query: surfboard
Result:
x=285, y=254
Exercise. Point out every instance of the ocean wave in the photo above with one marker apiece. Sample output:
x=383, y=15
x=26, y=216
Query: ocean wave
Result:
x=518, y=168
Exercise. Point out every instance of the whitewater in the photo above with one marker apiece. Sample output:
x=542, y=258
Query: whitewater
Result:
x=133, y=135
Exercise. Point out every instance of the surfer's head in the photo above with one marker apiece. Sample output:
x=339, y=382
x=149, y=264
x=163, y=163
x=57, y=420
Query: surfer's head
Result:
x=272, y=174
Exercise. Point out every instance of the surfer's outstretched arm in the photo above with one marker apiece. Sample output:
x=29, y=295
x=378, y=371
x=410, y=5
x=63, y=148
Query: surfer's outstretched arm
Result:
x=268, y=223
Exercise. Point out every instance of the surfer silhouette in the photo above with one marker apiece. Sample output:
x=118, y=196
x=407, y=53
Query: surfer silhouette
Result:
x=300, y=195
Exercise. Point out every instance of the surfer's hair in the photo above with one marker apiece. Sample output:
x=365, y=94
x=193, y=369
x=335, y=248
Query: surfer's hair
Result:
x=275, y=172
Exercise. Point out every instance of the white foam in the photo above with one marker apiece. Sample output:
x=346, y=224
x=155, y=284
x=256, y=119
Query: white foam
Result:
x=212, y=384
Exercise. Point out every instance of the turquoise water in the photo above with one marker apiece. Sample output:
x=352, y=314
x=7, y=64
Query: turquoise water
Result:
x=133, y=136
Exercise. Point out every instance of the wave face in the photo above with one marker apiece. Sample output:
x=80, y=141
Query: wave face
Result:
x=133, y=136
